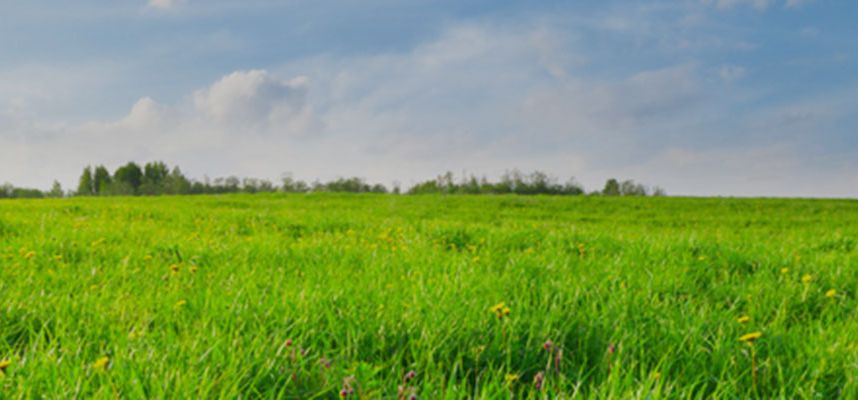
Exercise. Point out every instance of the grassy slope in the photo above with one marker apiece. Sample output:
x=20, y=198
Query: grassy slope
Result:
x=376, y=286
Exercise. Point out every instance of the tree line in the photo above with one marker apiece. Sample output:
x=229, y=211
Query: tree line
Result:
x=156, y=178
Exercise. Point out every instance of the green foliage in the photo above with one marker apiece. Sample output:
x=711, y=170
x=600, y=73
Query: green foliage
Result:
x=302, y=296
x=86, y=185
x=513, y=182
x=101, y=181
x=127, y=179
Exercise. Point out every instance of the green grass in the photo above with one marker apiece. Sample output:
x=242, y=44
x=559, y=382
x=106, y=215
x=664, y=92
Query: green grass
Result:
x=196, y=297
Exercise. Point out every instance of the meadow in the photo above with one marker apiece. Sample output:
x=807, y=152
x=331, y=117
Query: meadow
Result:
x=430, y=297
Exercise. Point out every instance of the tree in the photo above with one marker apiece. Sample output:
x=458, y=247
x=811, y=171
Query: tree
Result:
x=101, y=182
x=56, y=190
x=176, y=183
x=85, y=186
x=154, y=174
x=612, y=188
x=127, y=178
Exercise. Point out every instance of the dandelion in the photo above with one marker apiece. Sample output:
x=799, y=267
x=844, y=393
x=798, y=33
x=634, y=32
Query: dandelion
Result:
x=806, y=278
x=511, y=378
x=750, y=337
x=831, y=293
x=500, y=310
x=4, y=365
x=101, y=363
x=743, y=319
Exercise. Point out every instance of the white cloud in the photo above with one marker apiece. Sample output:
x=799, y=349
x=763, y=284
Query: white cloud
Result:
x=757, y=4
x=163, y=4
x=253, y=99
x=797, y=3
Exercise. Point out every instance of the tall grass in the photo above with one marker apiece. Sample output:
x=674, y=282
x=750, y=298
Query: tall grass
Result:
x=323, y=295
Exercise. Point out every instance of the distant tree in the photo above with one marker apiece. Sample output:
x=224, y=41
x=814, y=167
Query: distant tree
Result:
x=154, y=174
x=176, y=183
x=612, y=188
x=86, y=185
x=290, y=185
x=630, y=188
x=56, y=190
x=101, y=181
x=127, y=179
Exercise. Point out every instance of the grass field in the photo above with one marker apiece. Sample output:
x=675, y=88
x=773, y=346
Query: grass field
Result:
x=305, y=296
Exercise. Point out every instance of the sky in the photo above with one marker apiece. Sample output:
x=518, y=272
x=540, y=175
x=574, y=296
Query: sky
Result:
x=699, y=97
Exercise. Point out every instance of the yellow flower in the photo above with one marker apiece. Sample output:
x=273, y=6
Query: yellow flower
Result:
x=743, y=319
x=750, y=337
x=510, y=378
x=500, y=310
x=174, y=268
x=831, y=293
x=806, y=278
x=784, y=271
x=180, y=303
x=101, y=363
x=4, y=364
x=30, y=254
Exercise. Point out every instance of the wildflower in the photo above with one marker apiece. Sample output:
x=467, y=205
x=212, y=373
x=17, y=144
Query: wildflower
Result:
x=174, y=268
x=30, y=254
x=743, y=319
x=510, y=378
x=806, y=278
x=347, y=389
x=4, y=365
x=181, y=303
x=409, y=376
x=750, y=337
x=831, y=293
x=784, y=271
x=193, y=269
x=548, y=345
x=101, y=363
x=538, y=380
x=325, y=362
x=500, y=309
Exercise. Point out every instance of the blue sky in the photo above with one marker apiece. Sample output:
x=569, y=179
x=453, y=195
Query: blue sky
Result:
x=701, y=97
